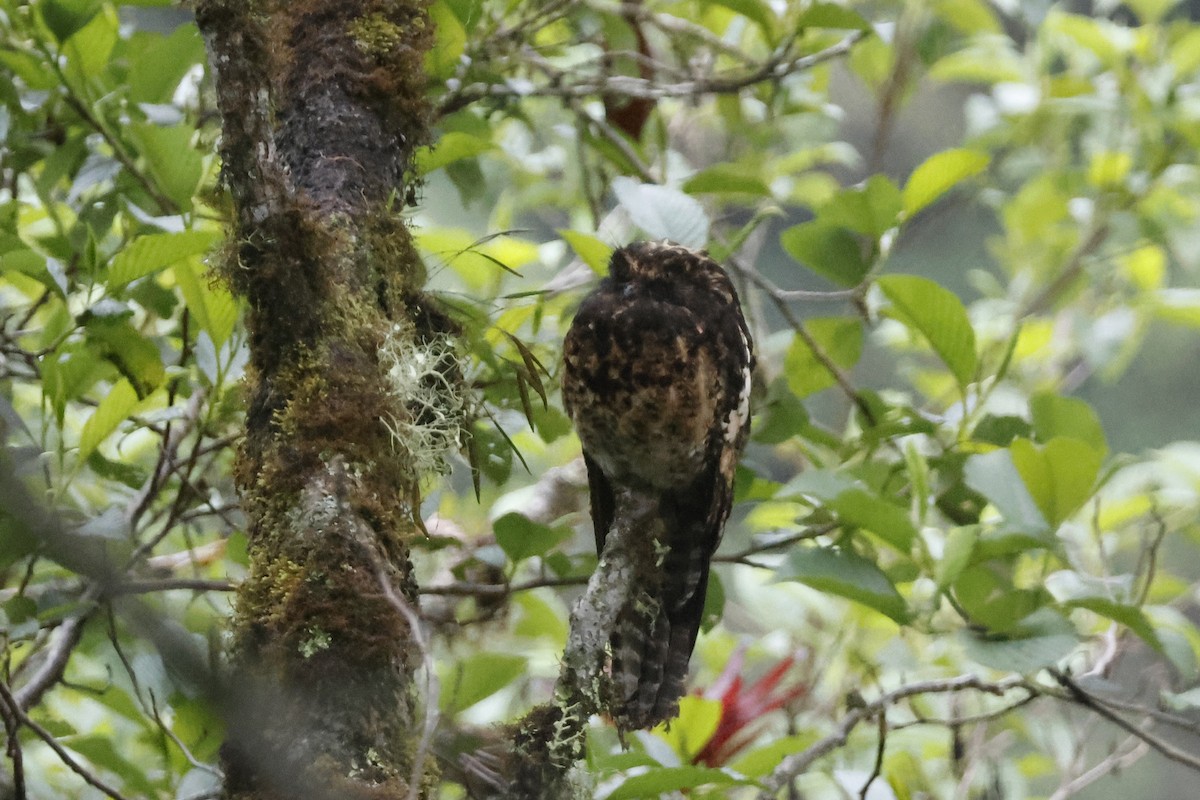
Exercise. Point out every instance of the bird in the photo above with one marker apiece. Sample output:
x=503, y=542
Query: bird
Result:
x=656, y=379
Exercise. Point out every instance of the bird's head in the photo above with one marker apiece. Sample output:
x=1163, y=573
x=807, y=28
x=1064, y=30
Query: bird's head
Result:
x=646, y=266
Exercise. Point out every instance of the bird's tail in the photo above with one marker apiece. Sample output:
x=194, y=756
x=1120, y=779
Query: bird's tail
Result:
x=654, y=635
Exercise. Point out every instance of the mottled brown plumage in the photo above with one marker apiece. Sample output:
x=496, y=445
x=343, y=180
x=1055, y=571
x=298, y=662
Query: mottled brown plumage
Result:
x=656, y=379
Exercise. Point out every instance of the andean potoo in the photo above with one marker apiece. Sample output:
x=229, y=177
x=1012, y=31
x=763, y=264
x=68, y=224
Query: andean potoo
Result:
x=656, y=379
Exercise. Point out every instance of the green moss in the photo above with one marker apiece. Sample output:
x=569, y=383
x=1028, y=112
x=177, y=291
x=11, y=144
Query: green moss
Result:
x=376, y=35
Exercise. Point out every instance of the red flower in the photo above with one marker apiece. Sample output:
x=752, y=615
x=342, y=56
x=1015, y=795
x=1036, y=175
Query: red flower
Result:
x=743, y=708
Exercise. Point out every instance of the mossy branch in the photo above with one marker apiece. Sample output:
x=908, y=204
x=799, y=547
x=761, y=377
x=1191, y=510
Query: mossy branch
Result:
x=551, y=739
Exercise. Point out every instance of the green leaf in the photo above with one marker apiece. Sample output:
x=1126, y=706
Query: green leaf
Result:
x=758, y=12
x=1060, y=475
x=111, y=412
x=1131, y=617
x=827, y=249
x=65, y=17
x=762, y=760
x=1042, y=639
x=847, y=574
x=590, y=250
x=939, y=316
x=443, y=58
x=871, y=209
x=1055, y=415
x=663, y=780
x=174, y=164
x=521, y=538
x=690, y=731
x=89, y=48
x=135, y=356
x=663, y=212
x=727, y=179
x=832, y=15
x=956, y=554
x=478, y=677
x=780, y=416
x=152, y=252
x=995, y=476
x=861, y=509
x=452, y=146
x=156, y=68
x=938, y=174
x=839, y=338
x=213, y=307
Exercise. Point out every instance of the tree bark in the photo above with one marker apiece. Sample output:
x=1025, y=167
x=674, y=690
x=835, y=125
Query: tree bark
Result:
x=323, y=104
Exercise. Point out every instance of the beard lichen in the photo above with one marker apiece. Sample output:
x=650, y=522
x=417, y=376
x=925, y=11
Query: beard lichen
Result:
x=430, y=402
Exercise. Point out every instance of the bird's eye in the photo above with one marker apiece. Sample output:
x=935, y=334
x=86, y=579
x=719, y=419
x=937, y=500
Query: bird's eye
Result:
x=628, y=290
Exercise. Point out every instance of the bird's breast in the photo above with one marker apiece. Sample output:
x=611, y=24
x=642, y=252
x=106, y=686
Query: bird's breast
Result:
x=643, y=389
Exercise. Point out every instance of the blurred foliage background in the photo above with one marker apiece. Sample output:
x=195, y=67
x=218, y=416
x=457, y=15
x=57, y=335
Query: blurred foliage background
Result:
x=967, y=236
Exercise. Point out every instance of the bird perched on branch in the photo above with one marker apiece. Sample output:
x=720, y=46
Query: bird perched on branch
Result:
x=656, y=379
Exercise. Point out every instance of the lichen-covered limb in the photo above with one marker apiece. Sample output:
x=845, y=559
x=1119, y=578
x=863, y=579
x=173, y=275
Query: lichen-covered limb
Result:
x=550, y=740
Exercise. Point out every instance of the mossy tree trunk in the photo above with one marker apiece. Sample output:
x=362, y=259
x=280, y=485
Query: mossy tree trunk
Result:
x=323, y=104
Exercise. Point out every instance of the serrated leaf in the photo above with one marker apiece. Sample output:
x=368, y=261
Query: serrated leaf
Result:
x=521, y=538
x=135, y=356
x=152, y=252
x=839, y=338
x=938, y=315
x=477, y=677
x=828, y=250
x=938, y=174
x=590, y=250
x=111, y=412
x=663, y=212
x=212, y=306
x=846, y=574
x=174, y=163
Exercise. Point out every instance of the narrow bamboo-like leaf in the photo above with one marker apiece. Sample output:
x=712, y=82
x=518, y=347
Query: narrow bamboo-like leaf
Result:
x=111, y=412
x=938, y=315
x=938, y=174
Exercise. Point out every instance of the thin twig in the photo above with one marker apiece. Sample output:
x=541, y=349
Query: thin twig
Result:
x=797, y=763
x=774, y=68
x=432, y=685
x=1078, y=694
x=51, y=742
